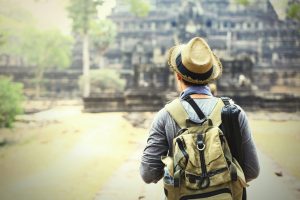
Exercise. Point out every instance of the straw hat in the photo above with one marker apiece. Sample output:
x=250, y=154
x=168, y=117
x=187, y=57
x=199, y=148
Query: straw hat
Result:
x=195, y=61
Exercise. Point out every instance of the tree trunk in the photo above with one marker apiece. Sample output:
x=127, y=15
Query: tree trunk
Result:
x=86, y=66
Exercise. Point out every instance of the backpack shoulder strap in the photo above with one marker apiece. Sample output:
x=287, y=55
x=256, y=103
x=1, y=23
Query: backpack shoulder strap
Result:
x=177, y=112
x=215, y=115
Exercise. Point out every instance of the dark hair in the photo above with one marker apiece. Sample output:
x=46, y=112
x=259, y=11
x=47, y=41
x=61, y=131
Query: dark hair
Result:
x=191, y=84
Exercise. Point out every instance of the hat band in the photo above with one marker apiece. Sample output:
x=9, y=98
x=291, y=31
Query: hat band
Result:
x=184, y=71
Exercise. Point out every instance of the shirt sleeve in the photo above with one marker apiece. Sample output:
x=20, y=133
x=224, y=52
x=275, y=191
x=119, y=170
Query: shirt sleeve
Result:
x=251, y=163
x=151, y=167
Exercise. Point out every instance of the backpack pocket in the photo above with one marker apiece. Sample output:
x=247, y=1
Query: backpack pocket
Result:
x=206, y=164
x=221, y=194
x=168, y=178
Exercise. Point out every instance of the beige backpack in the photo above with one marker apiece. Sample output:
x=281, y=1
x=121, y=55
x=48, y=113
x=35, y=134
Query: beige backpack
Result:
x=201, y=165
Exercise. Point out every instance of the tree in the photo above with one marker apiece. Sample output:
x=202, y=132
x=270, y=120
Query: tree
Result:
x=293, y=11
x=102, y=34
x=83, y=12
x=13, y=21
x=84, y=16
x=45, y=49
x=11, y=97
x=20, y=39
x=243, y=2
x=139, y=8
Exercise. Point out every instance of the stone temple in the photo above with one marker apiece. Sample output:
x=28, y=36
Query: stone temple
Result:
x=253, y=43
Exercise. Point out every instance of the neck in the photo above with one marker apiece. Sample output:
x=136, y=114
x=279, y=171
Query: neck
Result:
x=195, y=91
x=200, y=96
x=182, y=86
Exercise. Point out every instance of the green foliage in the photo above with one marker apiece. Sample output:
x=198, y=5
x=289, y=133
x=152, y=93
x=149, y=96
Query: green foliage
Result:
x=294, y=11
x=46, y=48
x=82, y=12
x=20, y=39
x=13, y=21
x=243, y=2
x=105, y=80
x=102, y=34
x=11, y=97
x=140, y=8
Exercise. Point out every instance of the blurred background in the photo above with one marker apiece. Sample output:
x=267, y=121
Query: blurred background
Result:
x=81, y=80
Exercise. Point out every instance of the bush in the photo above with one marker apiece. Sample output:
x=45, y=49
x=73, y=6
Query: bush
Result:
x=11, y=98
x=293, y=11
x=105, y=80
x=243, y=2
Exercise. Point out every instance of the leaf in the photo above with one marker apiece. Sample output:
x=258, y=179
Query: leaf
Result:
x=82, y=12
x=102, y=34
x=139, y=8
x=243, y=2
x=294, y=11
x=11, y=98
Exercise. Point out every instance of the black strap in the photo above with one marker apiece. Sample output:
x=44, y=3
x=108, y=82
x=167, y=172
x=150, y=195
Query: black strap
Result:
x=183, y=151
x=244, y=194
x=198, y=111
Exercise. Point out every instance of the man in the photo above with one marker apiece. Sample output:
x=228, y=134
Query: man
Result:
x=195, y=66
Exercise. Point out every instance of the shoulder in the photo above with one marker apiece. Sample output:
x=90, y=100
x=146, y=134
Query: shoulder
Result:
x=161, y=117
x=242, y=117
x=242, y=114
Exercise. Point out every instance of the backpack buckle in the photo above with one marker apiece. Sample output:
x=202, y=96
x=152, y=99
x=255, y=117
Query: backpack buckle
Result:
x=200, y=142
x=205, y=182
x=201, y=146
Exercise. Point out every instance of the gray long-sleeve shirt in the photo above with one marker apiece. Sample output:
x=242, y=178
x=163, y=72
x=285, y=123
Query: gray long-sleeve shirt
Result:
x=164, y=129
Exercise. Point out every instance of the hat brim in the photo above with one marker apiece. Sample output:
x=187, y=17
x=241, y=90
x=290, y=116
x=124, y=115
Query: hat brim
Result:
x=216, y=64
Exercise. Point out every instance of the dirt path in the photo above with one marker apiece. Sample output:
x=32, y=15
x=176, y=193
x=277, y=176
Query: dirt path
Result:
x=67, y=160
x=126, y=183
x=86, y=156
x=269, y=186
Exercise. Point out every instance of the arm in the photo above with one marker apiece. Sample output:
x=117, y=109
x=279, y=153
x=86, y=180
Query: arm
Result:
x=251, y=164
x=151, y=168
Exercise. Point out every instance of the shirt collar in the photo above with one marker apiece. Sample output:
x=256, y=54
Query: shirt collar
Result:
x=196, y=89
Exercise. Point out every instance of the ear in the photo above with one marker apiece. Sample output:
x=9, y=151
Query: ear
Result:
x=178, y=76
